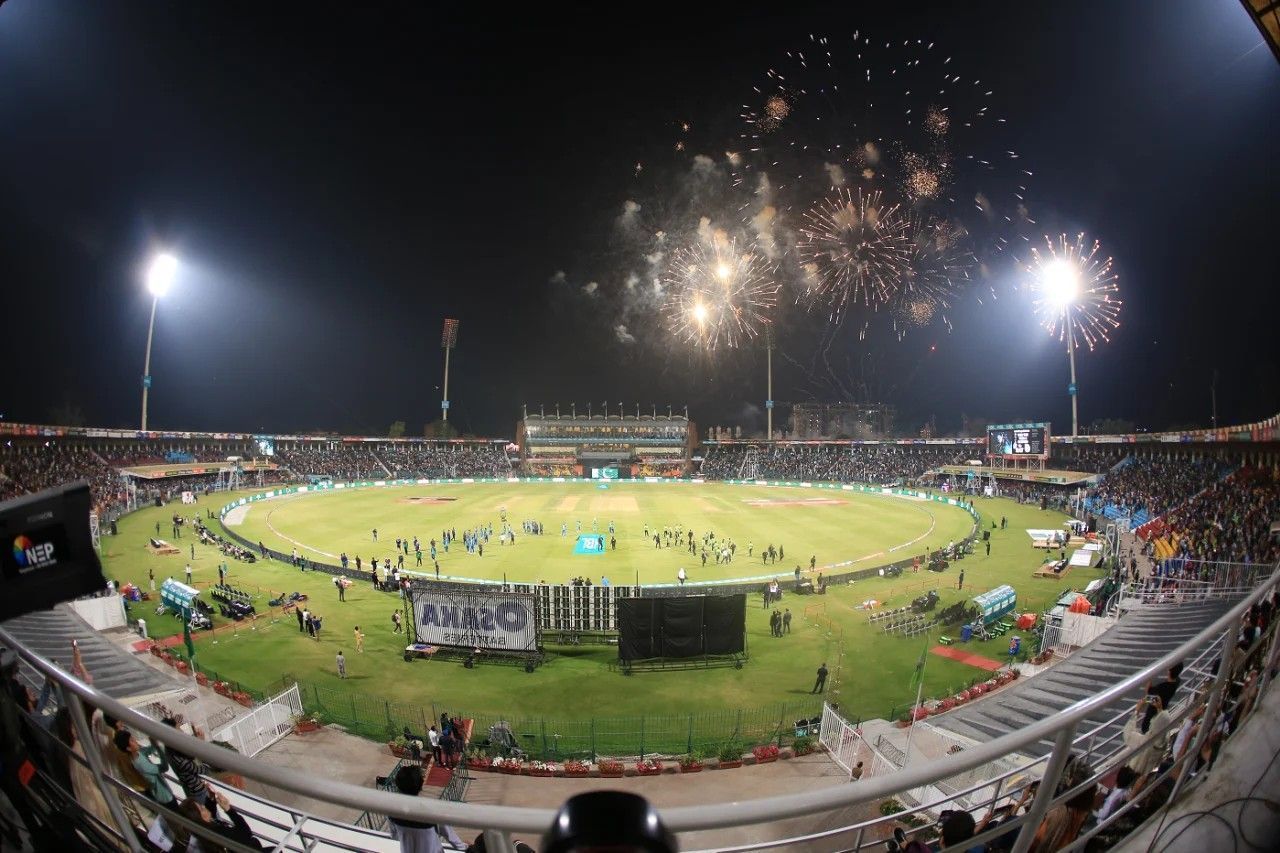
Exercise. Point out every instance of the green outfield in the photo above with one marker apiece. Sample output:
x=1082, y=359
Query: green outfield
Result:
x=828, y=526
x=871, y=672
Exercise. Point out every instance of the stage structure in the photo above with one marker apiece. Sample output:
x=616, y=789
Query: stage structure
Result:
x=692, y=631
x=478, y=622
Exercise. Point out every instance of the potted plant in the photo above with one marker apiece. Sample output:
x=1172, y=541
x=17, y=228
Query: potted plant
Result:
x=541, y=768
x=609, y=768
x=765, y=753
x=802, y=745
x=477, y=760
x=308, y=723
x=690, y=763
x=648, y=767
x=202, y=679
x=243, y=698
x=730, y=755
x=903, y=721
x=181, y=666
x=222, y=688
x=399, y=747
x=511, y=766
x=576, y=769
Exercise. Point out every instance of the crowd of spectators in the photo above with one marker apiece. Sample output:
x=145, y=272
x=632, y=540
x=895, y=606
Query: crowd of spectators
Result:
x=877, y=464
x=1229, y=521
x=1091, y=460
x=127, y=457
x=33, y=467
x=1156, y=485
x=338, y=461
x=444, y=460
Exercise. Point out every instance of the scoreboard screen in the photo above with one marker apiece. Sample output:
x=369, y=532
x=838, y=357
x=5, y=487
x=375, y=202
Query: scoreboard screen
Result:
x=1019, y=440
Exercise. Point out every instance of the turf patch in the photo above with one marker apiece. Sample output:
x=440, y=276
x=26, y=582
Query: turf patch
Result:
x=807, y=502
x=431, y=501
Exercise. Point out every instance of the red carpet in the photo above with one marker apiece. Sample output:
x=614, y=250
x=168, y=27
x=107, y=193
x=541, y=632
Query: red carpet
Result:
x=967, y=658
x=165, y=643
x=438, y=777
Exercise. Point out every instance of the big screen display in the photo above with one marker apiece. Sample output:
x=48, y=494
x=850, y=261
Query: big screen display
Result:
x=1016, y=440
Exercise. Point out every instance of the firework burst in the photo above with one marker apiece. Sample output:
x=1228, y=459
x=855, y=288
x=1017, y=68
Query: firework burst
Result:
x=938, y=266
x=853, y=248
x=718, y=295
x=1075, y=290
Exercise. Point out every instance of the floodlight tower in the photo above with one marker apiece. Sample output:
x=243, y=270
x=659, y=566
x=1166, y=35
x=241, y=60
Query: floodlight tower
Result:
x=768, y=403
x=160, y=275
x=1062, y=288
x=448, y=340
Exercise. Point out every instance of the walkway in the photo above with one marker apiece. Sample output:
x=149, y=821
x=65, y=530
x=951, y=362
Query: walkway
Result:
x=115, y=671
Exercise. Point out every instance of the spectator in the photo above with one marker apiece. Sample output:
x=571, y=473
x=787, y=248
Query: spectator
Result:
x=416, y=836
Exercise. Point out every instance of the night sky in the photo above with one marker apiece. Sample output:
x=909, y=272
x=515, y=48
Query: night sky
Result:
x=338, y=178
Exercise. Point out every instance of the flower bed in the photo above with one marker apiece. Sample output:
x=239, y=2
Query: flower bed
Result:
x=540, y=768
x=648, y=768
x=202, y=679
x=222, y=688
x=765, y=753
x=510, y=766
x=243, y=698
x=729, y=765
x=310, y=724
x=576, y=769
x=610, y=769
x=802, y=745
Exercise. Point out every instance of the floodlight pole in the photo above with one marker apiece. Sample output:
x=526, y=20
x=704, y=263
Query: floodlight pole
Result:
x=768, y=403
x=1072, y=389
x=146, y=365
x=448, y=338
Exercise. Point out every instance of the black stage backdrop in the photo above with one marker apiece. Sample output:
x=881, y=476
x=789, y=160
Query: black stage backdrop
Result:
x=681, y=627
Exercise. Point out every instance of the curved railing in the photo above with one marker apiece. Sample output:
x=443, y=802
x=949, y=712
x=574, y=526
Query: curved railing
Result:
x=1066, y=730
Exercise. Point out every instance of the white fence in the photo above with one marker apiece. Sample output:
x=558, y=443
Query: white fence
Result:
x=840, y=738
x=264, y=725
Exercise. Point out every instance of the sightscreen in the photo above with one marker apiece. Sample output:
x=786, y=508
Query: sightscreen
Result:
x=688, y=626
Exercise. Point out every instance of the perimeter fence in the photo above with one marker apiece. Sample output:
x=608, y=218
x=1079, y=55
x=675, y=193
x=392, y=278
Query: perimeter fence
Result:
x=557, y=739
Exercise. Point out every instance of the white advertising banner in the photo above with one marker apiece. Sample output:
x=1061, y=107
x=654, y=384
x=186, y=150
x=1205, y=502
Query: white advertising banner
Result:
x=480, y=619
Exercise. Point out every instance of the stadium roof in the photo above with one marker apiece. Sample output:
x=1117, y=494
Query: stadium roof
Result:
x=1266, y=14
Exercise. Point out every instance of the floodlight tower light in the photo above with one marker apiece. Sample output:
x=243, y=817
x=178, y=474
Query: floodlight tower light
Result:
x=161, y=272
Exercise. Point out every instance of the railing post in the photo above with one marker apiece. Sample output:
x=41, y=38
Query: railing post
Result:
x=642, y=737
x=1226, y=660
x=593, y=739
x=1048, y=787
x=689, y=746
x=92, y=755
x=498, y=841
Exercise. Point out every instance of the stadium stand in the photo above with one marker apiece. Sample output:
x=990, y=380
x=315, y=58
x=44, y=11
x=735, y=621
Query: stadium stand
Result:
x=1146, y=488
x=1231, y=520
x=641, y=446
x=880, y=464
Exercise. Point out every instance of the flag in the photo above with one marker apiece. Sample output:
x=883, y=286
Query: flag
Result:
x=919, y=673
x=186, y=637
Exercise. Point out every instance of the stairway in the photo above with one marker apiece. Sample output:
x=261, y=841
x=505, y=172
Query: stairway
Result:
x=1135, y=642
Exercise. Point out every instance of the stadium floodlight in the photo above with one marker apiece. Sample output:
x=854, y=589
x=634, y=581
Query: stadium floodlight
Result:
x=161, y=272
x=1061, y=283
x=160, y=275
x=448, y=340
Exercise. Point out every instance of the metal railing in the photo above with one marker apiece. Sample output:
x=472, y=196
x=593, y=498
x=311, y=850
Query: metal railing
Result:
x=1213, y=656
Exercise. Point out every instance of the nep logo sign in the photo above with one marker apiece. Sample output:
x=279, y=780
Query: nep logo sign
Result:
x=32, y=555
